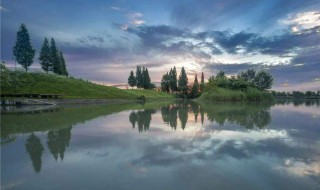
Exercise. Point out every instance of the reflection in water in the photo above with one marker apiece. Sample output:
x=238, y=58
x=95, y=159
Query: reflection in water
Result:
x=142, y=118
x=35, y=149
x=245, y=115
x=58, y=140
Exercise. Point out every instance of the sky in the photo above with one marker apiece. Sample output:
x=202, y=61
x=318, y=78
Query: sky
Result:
x=103, y=40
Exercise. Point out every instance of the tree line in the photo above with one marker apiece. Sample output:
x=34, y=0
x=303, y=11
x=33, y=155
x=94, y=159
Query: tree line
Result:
x=141, y=79
x=51, y=58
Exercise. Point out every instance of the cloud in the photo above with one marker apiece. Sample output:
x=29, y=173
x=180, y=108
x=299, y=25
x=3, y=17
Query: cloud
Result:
x=2, y=9
x=135, y=18
x=302, y=21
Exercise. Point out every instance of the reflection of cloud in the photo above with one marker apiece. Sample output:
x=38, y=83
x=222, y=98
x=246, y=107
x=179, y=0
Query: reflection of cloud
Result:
x=301, y=168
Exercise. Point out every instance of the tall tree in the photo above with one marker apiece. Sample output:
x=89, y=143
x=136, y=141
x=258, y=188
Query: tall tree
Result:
x=195, y=88
x=165, y=83
x=55, y=60
x=139, y=77
x=45, y=56
x=202, y=84
x=132, y=80
x=173, y=79
x=23, y=50
x=183, y=81
x=146, y=79
x=63, y=66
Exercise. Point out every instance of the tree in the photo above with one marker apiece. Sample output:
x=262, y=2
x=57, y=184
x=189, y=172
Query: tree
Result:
x=45, y=56
x=23, y=50
x=165, y=83
x=63, y=67
x=173, y=79
x=146, y=78
x=132, y=80
x=202, y=84
x=248, y=76
x=183, y=81
x=139, y=77
x=195, y=88
x=55, y=60
x=221, y=74
x=263, y=80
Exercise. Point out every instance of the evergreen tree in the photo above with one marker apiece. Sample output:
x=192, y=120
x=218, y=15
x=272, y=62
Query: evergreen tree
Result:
x=195, y=88
x=183, y=81
x=45, y=56
x=132, y=80
x=23, y=50
x=173, y=79
x=63, y=67
x=146, y=78
x=55, y=60
x=165, y=83
x=139, y=77
x=202, y=84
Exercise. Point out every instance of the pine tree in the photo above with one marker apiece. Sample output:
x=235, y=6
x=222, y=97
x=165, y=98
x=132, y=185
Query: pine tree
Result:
x=183, y=81
x=195, y=88
x=202, y=84
x=173, y=79
x=132, y=80
x=55, y=60
x=146, y=79
x=63, y=65
x=23, y=50
x=45, y=56
x=139, y=77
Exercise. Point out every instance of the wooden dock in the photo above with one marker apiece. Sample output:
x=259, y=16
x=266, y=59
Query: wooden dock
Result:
x=38, y=96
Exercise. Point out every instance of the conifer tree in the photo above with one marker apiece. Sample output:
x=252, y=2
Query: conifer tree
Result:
x=55, y=60
x=183, y=81
x=173, y=79
x=45, y=56
x=195, y=88
x=139, y=77
x=202, y=84
x=63, y=66
x=23, y=50
x=146, y=79
x=132, y=80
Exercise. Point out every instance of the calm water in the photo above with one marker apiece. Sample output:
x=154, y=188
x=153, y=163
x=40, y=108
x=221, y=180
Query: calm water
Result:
x=170, y=146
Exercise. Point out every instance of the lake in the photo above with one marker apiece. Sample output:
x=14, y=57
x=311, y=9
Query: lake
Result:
x=162, y=145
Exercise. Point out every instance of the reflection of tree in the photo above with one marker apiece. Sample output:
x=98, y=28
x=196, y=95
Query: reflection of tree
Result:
x=35, y=149
x=142, y=118
x=169, y=115
x=58, y=140
x=247, y=115
x=195, y=110
x=183, y=114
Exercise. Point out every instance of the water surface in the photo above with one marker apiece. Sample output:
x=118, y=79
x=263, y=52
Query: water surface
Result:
x=170, y=145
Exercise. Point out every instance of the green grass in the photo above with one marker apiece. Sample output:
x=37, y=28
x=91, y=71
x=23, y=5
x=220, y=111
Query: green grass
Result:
x=71, y=88
x=222, y=94
x=150, y=94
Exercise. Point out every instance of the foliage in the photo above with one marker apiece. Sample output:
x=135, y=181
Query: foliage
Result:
x=202, y=84
x=132, y=80
x=139, y=77
x=183, y=81
x=143, y=79
x=263, y=80
x=45, y=56
x=63, y=65
x=195, y=88
x=165, y=83
x=173, y=79
x=55, y=58
x=23, y=50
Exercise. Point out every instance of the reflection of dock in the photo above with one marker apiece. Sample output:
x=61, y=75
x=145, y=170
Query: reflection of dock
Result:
x=32, y=109
x=40, y=96
x=22, y=102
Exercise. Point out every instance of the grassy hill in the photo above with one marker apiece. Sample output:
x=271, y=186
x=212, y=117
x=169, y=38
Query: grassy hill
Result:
x=42, y=83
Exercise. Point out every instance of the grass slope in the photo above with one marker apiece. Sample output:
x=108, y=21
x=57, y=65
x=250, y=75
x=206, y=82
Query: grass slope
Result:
x=72, y=88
